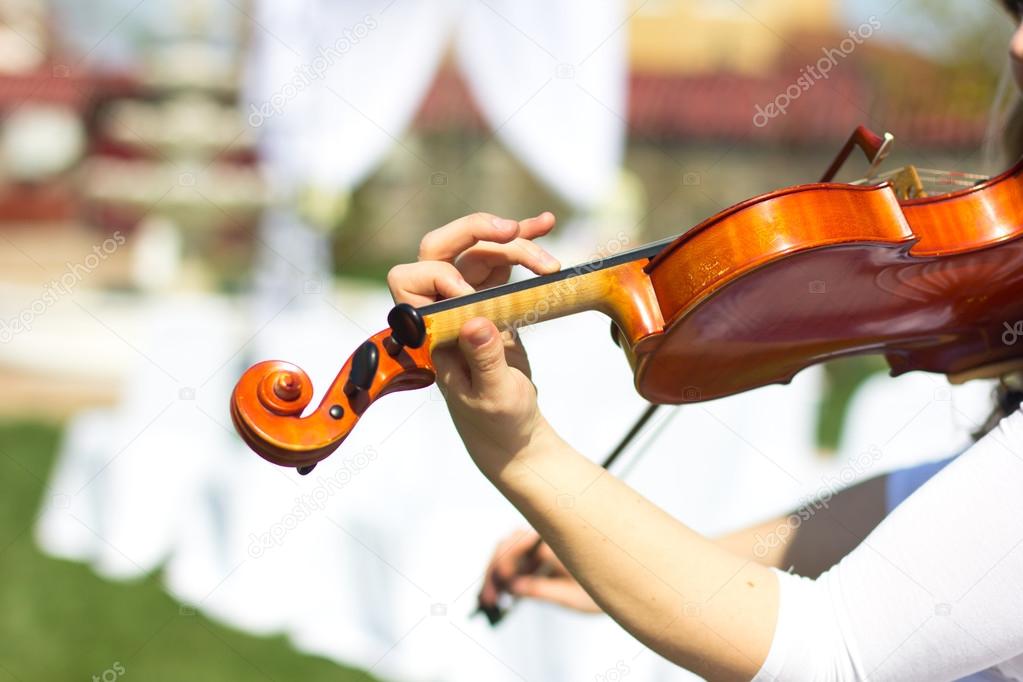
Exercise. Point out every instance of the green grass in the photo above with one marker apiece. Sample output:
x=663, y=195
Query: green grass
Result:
x=59, y=621
x=842, y=378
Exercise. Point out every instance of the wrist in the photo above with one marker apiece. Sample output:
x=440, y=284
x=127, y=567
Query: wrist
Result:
x=537, y=451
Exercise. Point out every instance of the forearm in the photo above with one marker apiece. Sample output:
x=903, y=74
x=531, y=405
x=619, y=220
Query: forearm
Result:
x=681, y=594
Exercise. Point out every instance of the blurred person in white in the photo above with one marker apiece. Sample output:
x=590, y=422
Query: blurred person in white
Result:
x=912, y=575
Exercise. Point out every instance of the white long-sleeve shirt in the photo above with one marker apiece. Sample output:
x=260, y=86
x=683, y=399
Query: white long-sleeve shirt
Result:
x=935, y=592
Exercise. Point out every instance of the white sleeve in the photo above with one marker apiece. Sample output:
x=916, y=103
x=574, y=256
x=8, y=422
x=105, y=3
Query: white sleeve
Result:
x=902, y=483
x=933, y=593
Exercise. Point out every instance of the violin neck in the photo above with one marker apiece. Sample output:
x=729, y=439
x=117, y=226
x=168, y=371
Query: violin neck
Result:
x=618, y=287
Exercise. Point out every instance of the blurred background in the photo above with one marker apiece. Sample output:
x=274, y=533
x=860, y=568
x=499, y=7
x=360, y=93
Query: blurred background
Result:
x=189, y=187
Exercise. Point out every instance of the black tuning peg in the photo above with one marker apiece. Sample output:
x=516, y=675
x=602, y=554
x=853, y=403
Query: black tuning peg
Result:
x=407, y=328
x=364, y=369
x=615, y=334
x=304, y=471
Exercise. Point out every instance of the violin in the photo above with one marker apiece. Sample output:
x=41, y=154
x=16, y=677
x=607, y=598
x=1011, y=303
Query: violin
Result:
x=749, y=297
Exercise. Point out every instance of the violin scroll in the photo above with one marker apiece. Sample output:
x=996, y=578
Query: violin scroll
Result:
x=270, y=398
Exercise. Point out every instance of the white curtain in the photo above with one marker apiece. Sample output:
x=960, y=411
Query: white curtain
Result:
x=336, y=84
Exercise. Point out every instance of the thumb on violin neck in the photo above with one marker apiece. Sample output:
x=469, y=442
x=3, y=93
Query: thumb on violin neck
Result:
x=483, y=349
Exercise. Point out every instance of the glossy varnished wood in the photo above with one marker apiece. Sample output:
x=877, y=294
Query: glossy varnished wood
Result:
x=623, y=292
x=747, y=298
x=275, y=428
x=812, y=273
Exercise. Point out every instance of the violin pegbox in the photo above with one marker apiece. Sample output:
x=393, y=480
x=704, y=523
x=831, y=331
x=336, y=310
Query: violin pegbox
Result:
x=269, y=399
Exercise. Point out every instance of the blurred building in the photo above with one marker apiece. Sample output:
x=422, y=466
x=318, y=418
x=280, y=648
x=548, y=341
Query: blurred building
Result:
x=701, y=36
x=114, y=181
x=700, y=73
x=87, y=151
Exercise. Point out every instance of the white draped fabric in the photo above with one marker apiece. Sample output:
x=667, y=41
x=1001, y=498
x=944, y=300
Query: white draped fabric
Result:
x=383, y=567
x=335, y=84
x=375, y=558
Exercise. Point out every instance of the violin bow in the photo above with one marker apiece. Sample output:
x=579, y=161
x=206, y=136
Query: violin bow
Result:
x=876, y=147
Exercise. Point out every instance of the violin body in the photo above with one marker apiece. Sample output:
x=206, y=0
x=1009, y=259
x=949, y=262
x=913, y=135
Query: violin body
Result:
x=747, y=298
x=818, y=272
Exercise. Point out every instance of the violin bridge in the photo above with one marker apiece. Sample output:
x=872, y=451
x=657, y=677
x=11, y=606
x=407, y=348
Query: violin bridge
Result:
x=907, y=184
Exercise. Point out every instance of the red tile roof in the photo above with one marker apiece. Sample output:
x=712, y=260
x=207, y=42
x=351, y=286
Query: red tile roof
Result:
x=721, y=107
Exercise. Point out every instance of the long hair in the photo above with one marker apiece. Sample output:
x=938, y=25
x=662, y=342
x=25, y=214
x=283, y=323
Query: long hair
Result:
x=1003, y=137
x=1006, y=127
x=1008, y=398
x=1013, y=7
x=1003, y=141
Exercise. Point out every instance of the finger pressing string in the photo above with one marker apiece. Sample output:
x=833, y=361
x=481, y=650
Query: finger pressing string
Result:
x=480, y=261
x=446, y=243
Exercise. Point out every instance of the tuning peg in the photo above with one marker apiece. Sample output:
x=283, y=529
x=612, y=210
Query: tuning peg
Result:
x=407, y=328
x=304, y=471
x=615, y=334
x=364, y=369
